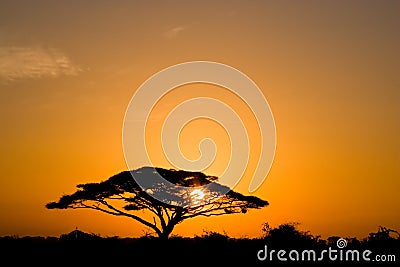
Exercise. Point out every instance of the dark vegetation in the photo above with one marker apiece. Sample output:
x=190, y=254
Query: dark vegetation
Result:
x=78, y=248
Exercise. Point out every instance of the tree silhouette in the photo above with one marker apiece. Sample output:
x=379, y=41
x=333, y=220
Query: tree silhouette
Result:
x=121, y=195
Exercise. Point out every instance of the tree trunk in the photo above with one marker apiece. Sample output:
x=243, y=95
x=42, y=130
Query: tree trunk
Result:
x=164, y=235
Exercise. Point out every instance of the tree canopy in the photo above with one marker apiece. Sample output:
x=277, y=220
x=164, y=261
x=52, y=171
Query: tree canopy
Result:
x=120, y=195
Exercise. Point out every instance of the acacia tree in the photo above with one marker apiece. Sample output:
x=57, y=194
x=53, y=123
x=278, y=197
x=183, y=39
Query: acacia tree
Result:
x=120, y=195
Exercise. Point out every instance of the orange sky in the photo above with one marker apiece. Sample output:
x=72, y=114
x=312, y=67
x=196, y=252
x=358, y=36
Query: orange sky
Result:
x=329, y=70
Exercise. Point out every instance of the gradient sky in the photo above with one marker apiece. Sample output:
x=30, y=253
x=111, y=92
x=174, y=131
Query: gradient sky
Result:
x=329, y=70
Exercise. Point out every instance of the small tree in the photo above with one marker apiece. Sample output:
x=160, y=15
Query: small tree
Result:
x=120, y=195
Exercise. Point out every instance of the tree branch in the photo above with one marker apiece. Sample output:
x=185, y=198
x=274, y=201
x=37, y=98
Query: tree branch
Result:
x=208, y=214
x=118, y=212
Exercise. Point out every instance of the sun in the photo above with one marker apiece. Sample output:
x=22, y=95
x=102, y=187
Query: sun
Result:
x=197, y=194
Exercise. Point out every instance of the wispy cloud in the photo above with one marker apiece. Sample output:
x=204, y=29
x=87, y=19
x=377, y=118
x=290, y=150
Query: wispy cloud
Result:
x=174, y=32
x=18, y=62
